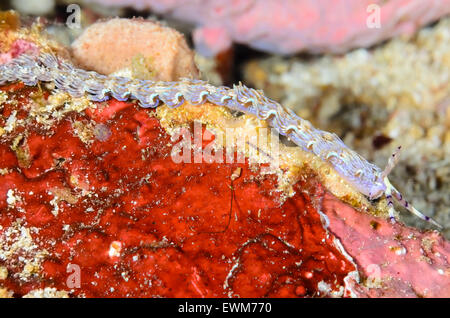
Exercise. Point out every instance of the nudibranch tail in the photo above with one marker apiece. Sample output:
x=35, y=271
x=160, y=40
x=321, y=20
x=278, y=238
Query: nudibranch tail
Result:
x=362, y=175
x=392, y=191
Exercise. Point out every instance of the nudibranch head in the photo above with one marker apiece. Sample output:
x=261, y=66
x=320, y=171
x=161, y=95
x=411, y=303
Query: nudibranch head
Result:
x=377, y=189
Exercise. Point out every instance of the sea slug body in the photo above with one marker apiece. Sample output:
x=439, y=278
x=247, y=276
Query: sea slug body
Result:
x=364, y=176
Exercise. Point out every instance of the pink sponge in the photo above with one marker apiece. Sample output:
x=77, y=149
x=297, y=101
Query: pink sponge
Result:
x=291, y=26
x=394, y=260
x=17, y=48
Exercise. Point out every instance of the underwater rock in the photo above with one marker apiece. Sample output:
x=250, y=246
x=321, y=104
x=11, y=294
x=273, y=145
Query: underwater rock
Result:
x=394, y=260
x=34, y=7
x=92, y=188
x=148, y=49
x=69, y=198
x=288, y=27
x=177, y=230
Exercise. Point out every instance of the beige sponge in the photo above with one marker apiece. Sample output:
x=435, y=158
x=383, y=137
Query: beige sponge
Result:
x=148, y=49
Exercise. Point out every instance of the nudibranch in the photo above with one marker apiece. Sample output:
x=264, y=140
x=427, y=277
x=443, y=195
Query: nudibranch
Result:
x=364, y=176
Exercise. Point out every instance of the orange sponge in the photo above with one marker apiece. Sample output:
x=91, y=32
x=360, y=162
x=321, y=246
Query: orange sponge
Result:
x=149, y=49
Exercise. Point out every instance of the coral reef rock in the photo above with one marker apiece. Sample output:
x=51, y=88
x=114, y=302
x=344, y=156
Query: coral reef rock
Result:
x=139, y=225
x=93, y=204
x=94, y=185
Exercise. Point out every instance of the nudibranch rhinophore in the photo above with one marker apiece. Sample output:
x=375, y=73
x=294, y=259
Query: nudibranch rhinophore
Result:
x=364, y=176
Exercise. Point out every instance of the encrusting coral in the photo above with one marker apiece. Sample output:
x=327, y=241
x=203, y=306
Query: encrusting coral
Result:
x=95, y=184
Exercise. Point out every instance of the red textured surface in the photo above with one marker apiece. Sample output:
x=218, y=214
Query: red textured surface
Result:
x=186, y=230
